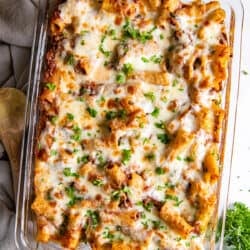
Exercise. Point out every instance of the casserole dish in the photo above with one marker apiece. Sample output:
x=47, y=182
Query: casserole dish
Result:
x=27, y=170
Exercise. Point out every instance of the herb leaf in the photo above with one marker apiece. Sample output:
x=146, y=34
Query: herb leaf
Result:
x=129, y=31
x=94, y=217
x=126, y=155
x=92, y=112
x=70, y=191
x=120, y=78
x=51, y=86
x=106, y=53
x=155, y=112
x=164, y=138
x=150, y=96
x=67, y=172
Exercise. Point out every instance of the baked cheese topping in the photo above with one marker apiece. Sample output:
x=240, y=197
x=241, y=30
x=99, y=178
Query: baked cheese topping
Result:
x=127, y=153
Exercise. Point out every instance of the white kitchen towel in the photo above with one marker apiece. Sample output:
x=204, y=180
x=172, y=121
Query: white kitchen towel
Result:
x=17, y=19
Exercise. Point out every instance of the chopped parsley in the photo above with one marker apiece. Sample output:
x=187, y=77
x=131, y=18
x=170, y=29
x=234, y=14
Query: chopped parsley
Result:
x=127, y=69
x=158, y=224
x=83, y=159
x=70, y=117
x=77, y=133
x=121, y=114
x=53, y=119
x=163, y=138
x=115, y=195
x=189, y=159
x=161, y=36
x=51, y=86
x=130, y=32
x=120, y=78
x=101, y=162
x=70, y=191
x=160, y=171
x=175, y=82
x=150, y=96
x=106, y=53
x=92, y=112
x=53, y=152
x=98, y=182
x=166, y=186
x=164, y=99
x=107, y=234
x=178, y=158
x=144, y=59
x=111, y=32
x=244, y=72
x=160, y=125
x=154, y=59
x=150, y=156
x=186, y=159
x=94, y=217
x=126, y=155
x=67, y=172
x=155, y=112
x=69, y=59
x=148, y=206
x=84, y=32
x=174, y=198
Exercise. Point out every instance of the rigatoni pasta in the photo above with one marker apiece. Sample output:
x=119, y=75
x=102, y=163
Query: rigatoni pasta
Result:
x=127, y=151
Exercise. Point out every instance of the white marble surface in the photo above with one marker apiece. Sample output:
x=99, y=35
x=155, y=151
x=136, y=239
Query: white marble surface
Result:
x=240, y=174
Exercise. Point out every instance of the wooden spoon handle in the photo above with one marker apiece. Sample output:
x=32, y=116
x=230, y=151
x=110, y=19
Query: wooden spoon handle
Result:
x=12, y=109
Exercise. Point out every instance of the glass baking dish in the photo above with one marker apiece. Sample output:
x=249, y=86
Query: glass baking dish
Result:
x=25, y=229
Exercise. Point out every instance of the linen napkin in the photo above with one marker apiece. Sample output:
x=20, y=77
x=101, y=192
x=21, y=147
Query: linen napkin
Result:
x=17, y=19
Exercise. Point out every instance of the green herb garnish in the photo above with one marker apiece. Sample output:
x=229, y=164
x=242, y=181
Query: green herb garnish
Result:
x=94, y=217
x=53, y=152
x=150, y=96
x=175, y=199
x=70, y=191
x=92, y=112
x=126, y=155
x=121, y=114
x=160, y=125
x=106, y=53
x=70, y=60
x=54, y=119
x=160, y=171
x=83, y=159
x=67, y=172
x=154, y=59
x=120, y=78
x=130, y=32
x=51, y=86
x=77, y=133
x=127, y=68
x=164, y=138
x=70, y=117
x=175, y=82
x=155, y=112
x=150, y=156
x=115, y=195
x=97, y=182
x=107, y=234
